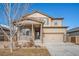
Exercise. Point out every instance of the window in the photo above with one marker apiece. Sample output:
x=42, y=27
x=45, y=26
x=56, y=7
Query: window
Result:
x=55, y=23
x=25, y=32
x=46, y=22
x=1, y=37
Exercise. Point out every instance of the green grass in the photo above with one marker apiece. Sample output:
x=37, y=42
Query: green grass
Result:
x=25, y=52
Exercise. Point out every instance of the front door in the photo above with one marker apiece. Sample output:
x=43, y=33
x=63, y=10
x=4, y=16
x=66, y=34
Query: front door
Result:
x=37, y=33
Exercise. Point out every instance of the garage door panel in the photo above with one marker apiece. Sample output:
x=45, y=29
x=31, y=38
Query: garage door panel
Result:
x=73, y=39
x=53, y=38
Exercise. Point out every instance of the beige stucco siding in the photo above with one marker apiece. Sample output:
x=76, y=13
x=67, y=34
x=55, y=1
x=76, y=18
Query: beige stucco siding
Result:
x=54, y=30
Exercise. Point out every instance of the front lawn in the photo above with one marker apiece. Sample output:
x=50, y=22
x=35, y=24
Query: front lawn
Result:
x=25, y=52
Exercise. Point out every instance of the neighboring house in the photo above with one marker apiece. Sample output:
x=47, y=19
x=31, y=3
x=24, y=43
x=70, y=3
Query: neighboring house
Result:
x=73, y=35
x=2, y=35
x=41, y=28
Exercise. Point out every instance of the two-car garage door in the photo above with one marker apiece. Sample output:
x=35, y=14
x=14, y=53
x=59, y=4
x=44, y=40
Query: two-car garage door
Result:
x=53, y=38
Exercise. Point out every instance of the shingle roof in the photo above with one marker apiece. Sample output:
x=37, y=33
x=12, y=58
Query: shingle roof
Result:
x=60, y=18
x=4, y=28
x=74, y=29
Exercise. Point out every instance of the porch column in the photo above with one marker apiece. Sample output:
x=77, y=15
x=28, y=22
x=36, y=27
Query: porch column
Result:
x=65, y=37
x=33, y=32
x=18, y=34
x=41, y=34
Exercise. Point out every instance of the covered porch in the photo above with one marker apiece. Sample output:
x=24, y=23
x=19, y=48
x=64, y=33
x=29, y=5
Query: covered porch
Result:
x=29, y=30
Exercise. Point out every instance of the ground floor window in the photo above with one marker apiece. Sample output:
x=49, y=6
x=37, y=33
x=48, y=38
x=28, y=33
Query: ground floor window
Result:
x=25, y=32
x=1, y=38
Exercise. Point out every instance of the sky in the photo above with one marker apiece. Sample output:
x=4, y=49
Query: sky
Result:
x=69, y=11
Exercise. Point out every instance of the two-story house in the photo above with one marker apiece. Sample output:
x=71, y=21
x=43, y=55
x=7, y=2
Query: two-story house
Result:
x=41, y=28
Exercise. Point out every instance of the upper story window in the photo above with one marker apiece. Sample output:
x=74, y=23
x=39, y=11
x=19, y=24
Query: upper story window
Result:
x=46, y=22
x=55, y=23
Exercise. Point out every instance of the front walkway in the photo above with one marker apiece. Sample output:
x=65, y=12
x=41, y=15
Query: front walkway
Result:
x=63, y=49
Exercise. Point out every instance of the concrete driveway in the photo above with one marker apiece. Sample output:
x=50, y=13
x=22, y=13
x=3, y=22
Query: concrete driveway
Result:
x=62, y=49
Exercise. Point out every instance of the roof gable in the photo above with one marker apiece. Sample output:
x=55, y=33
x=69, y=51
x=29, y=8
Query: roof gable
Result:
x=39, y=14
x=36, y=14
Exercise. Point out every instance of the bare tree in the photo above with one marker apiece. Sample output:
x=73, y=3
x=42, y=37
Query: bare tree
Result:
x=13, y=12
